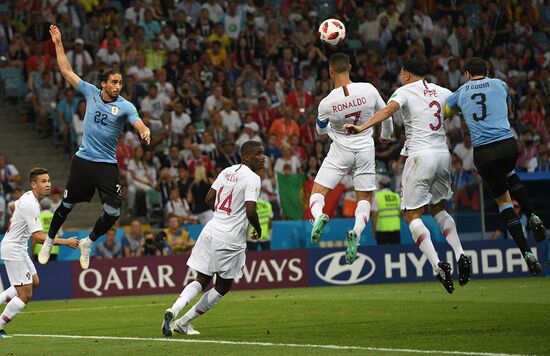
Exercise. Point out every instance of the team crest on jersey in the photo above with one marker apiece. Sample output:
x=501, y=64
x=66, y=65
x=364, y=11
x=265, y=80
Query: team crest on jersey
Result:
x=114, y=110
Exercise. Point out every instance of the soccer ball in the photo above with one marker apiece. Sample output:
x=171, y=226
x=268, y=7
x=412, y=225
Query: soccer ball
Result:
x=332, y=31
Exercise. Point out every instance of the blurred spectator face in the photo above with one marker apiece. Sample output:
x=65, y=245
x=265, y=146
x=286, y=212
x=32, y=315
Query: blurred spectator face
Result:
x=148, y=15
x=218, y=29
x=196, y=151
x=272, y=140
x=174, y=195
x=217, y=92
x=304, y=26
x=181, y=16
x=173, y=223
x=287, y=169
x=287, y=152
x=153, y=91
x=69, y=94
x=165, y=173
x=242, y=42
x=187, y=143
x=206, y=137
x=47, y=78
x=227, y=105
x=174, y=152
x=138, y=152
x=383, y=22
x=216, y=47
x=543, y=153
x=183, y=174
x=135, y=228
x=232, y=7
x=178, y=108
x=110, y=236
x=312, y=162
x=287, y=54
x=299, y=84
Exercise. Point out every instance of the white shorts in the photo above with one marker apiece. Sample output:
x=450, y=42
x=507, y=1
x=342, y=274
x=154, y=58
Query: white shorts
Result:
x=211, y=255
x=340, y=162
x=20, y=272
x=426, y=180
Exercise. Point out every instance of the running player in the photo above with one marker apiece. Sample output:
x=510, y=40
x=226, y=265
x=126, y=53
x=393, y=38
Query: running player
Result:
x=94, y=166
x=221, y=246
x=24, y=224
x=427, y=171
x=353, y=103
x=485, y=106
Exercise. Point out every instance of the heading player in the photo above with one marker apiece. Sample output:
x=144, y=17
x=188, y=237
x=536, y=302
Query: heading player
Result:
x=94, y=166
x=353, y=103
x=24, y=224
x=221, y=246
x=485, y=106
x=427, y=171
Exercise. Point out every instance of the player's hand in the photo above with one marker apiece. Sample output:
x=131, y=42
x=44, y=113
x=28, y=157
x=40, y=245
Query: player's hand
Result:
x=352, y=129
x=72, y=242
x=56, y=34
x=255, y=235
x=145, y=135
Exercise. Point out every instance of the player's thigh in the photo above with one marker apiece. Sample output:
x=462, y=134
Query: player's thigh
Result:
x=364, y=171
x=489, y=166
x=417, y=174
x=335, y=166
x=108, y=184
x=440, y=189
x=21, y=272
x=80, y=186
x=201, y=255
x=228, y=260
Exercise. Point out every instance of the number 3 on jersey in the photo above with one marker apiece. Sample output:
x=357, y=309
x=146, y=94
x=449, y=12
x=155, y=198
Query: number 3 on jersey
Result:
x=226, y=203
x=437, y=114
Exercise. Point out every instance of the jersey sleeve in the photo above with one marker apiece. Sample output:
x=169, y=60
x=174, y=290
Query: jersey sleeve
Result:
x=31, y=214
x=86, y=89
x=322, y=118
x=399, y=97
x=252, y=189
x=132, y=113
x=452, y=100
x=217, y=182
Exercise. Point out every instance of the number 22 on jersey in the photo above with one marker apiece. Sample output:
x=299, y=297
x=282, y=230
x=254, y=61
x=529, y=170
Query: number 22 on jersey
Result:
x=225, y=203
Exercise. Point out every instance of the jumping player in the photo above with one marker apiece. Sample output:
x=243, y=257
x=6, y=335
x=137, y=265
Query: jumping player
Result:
x=427, y=171
x=221, y=246
x=485, y=106
x=353, y=103
x=24, y=224
x=94, y=166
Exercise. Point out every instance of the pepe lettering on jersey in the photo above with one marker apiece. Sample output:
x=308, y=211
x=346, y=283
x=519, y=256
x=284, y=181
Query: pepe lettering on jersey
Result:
x=349, y=104
x=231, y=177
x=432, y=93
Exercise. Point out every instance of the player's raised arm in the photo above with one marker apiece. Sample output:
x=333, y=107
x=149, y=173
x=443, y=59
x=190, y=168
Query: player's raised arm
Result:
x=380, y=116
x=62, y=60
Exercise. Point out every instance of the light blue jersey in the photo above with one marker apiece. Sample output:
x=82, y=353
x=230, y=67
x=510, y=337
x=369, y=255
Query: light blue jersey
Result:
x=484, y=106
x=103, y=123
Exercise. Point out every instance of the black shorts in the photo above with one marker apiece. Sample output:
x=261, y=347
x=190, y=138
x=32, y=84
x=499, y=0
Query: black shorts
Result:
x=495, y=161
x=87, y=176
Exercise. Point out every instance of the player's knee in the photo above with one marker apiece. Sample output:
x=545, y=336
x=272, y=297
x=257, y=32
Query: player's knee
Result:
x=35, y=281
x=111, y=210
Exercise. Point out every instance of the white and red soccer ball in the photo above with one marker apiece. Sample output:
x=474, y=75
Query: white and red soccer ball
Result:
x=332, y=31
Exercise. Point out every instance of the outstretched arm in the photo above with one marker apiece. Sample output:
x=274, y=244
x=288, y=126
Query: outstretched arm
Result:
x=380, y=116
x=143, y=131
x=62, y=60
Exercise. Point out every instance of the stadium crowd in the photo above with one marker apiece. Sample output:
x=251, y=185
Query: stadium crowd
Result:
x=208, y=76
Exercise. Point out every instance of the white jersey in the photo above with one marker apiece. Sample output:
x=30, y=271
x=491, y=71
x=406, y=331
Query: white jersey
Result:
x=354, y=103
x=234, y=186
x=421, y=105
x=24, y=222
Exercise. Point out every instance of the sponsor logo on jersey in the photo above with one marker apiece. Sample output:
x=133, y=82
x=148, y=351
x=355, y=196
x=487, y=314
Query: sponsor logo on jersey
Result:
x=333, y=269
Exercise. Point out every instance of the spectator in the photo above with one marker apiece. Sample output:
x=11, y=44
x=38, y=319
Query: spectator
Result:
x=386, y=213
x=184, y=181
x=134, y=14
x=285, y=126
x=232, y=21
x=66, y=109
x=213, y=103
x=109, y=55
x=265, y=216
x=287, y=159
x=140, y=179
x=465, y=152
x=539, y=163
x=155, y=245
x=9, y=177
x=250, y=133
x=149, y=24
x=140, y=71
x=197, y=194
x=465, y=186
x=199, y=160
x=42, y=100
x=299, y=99
x=55, y=198
x=77, y=123
x=208, y=147
x=263, y=115
x=228, y=155
x=109, y=248
x=132, y=243
x=177, y=237
x=154, y=103
x=179, y=208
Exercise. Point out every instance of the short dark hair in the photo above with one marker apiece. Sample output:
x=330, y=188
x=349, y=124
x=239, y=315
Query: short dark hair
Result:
x=35, y=172
x=416, y=66
x=103, y=74
x=339, y=62
x=476, y=66
x=249, y=147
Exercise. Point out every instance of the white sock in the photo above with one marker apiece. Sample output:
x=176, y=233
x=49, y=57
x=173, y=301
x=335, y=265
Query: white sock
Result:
x=362, y=212
x=49, y=241
x=207, y=301
x=189, y=292
x=7, y=295
x=421, y=236
x=448, y=226
x=316, y=204
x=87, y=242
x=13, y=308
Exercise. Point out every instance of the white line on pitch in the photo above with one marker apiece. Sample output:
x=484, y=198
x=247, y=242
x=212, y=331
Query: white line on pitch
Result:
x=92, y=308
x=271, y=344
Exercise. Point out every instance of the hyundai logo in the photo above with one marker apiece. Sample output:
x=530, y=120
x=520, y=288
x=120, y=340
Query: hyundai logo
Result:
x=333, y=269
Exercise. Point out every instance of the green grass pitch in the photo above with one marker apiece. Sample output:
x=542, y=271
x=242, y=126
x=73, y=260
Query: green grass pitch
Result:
x=510, y=316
